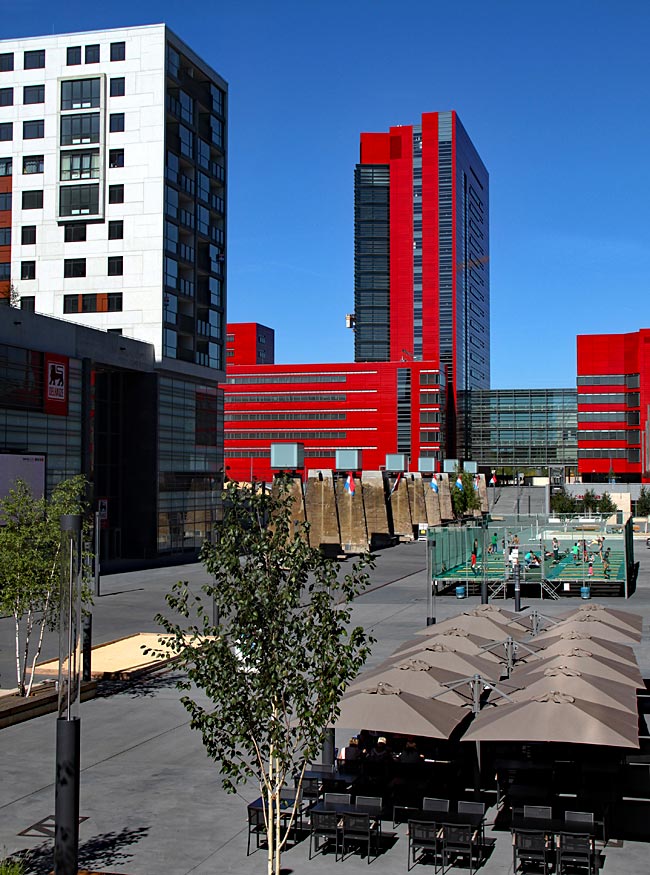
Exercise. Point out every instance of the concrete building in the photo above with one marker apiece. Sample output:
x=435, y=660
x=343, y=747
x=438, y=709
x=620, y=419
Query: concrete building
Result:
x=113, y=162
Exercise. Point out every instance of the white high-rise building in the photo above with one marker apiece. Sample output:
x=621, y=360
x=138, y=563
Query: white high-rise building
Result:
x=113, y=163
x=112, y=186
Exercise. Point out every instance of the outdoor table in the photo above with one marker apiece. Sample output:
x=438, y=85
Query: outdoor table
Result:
x=340, y=778
x=346, y=808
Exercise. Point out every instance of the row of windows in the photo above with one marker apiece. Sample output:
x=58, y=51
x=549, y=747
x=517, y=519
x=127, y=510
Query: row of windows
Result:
x=77, y=94
x=602, y=434
x=35, y=58
x=630, y=399
x=280, y=399
x=72, y=233
x=109, y=302
x=284, y=435
x=631, y=455
x=629, y=380
x=75, y=129
x=290, y=378
x=74, y=199
x=630, y=417
x=264, y=417
x=73, y=267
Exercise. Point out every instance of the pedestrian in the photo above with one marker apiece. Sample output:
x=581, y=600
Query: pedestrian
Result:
x=606, y=563
x=575, y=552
x=591, y=565
x=473, y=560
x=556, y=550
x=494, y=542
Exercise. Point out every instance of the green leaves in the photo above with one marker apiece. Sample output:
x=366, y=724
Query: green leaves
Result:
x=282, y=650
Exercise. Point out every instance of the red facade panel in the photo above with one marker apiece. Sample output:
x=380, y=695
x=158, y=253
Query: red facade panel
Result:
x=249, y=343
x=401, y=244
x=5, y=222
x=430, y=237
x=374, y=149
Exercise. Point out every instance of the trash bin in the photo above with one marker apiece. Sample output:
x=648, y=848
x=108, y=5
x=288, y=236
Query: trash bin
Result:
x=585, y=592
x=460, y=592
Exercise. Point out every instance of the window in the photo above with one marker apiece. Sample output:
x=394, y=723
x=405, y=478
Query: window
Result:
x=116, y=122
x=74, y=267
x=171, y=202
x=34, y=94
x=116, y=194
x=116, y=158
x=82, y=128
x=28, y=235
x=92, y=54
x=5, y=270
x=33, y=200
x=93, y=303
x=6, y=131
x=6, y=97
x=116, y=230
x=34, y=130
x=115, y=265
x=117, y=87
x=28, y=270
x=33, y=164
x=28, y=303
x=79, y=200
x=73, y=56
x=6, y=165
x=34, y=60
x=75, y=233
x=6, y=62
x=80, y=94
x=118, y=51
x=80, y=165
x=5, y=236
x=5, y=200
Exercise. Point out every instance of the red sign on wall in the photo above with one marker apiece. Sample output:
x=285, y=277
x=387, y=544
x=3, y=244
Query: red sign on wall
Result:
x=55, y=384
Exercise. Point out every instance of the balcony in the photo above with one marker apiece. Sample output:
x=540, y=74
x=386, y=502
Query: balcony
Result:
x=186, y=288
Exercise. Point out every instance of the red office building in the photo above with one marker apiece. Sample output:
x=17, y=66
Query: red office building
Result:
x=613, y=404
x=378, y=408
x=422, y=286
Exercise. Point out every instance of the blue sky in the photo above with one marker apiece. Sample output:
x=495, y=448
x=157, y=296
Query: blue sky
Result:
x=554, y=96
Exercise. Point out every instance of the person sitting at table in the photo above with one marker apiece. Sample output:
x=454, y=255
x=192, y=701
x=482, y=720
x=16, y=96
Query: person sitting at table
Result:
x=380, y=753
x=351, y=752
x=410, y=753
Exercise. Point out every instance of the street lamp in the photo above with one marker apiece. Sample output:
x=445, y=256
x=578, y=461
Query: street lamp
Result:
x=68, y=724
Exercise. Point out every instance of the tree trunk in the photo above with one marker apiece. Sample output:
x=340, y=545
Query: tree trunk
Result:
x=40, y=643
x=19, y=684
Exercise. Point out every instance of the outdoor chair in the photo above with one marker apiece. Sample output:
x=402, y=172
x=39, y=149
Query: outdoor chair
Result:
x=325, y=825
x=256, y=827
x=459, y=841
x=538, y=812
x=289, y=795
x=579, y=817
x=425, y=837
x=321, y=768
x=372, y=805
x=359, y=829
x=576, y=851
x=471, y=808
x=429, y=803
x=338, y=799
x=531, y=847
x=311, y=790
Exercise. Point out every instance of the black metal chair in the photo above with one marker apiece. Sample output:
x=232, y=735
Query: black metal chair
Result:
x=372, y=805
x=538, y=812
x=256, y=827
x=532, y=847
x=471, y=808
x=338, y=799
x=459, y=841
x=359, y=829
x=311, y=790
x=325, y=825
x=577, y=851
x=578, y=817
x=291, y=797
x=429, y=803
x=426, y=837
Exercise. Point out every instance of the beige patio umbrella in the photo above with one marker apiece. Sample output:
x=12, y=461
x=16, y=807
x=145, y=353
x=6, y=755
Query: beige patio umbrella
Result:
x=412, y=676
x=613, y=616
x=597, y=646
x=496, y=615
x=442, y=657
x=582, y=660
x=575, y=683
x=383, y=708
x=590, y=625
x=556, y=716
x=454, y=639
x=482, y=626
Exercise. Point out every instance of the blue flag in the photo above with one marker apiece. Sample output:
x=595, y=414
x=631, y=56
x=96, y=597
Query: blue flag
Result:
x=434, y=483
x=459, y=483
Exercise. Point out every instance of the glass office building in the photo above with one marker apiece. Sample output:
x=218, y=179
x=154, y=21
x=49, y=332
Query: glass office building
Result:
x=531, y=429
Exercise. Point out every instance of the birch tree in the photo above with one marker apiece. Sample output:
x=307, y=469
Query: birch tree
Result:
x=30, y=537
x=270, y=642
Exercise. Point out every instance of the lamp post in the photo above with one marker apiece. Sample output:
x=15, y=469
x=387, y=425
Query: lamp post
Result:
x=68, y=724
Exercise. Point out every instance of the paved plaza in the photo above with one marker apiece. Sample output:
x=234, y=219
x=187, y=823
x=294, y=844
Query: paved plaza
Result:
x=152, y=800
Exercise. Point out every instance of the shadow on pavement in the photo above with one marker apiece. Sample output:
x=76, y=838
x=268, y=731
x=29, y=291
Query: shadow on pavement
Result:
x=94, y=853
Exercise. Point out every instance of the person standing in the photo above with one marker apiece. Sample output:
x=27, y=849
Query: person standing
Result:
x=556, y=550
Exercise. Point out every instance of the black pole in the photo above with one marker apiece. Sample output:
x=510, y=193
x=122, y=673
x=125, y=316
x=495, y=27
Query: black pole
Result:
x=517, y=579
x=87, y=646
x=328, y=747
x=66, y=806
